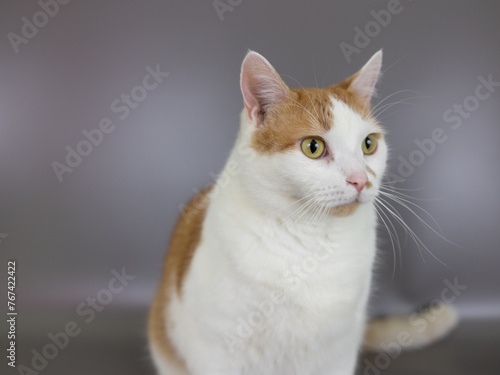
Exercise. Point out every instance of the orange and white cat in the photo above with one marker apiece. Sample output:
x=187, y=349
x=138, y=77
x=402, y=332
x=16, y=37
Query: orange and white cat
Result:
x=269, y=269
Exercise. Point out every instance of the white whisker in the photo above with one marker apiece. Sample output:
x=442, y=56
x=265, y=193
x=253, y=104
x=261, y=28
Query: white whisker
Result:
x=301, y=210
x=393, y=236
x=404, y=202
x=420, y=244
x=385, y=107
x=376, y=106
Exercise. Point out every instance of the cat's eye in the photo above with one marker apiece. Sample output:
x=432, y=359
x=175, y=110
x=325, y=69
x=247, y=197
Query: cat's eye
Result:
x=313, y=147
x=369, y=144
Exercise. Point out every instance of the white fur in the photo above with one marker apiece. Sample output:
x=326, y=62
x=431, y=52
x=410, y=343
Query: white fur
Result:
x=276, y=291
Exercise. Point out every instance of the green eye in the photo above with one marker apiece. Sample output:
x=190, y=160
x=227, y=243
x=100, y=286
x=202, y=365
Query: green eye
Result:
x=313, y=147
x=369, y=144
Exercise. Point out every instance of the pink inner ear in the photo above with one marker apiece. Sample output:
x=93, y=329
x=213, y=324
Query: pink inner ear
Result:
x=249, y=99
x=364, y=83
x=261, y=86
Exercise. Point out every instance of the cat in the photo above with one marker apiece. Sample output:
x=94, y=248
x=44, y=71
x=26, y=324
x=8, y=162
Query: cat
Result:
x=269, y=269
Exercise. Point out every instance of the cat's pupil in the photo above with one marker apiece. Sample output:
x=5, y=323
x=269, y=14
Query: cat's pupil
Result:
x=368, y=143
x=313, y=146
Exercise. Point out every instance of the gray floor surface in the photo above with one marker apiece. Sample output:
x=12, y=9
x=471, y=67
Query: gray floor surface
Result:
x=116, y=344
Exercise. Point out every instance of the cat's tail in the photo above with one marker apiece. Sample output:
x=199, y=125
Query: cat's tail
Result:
x=424, y=327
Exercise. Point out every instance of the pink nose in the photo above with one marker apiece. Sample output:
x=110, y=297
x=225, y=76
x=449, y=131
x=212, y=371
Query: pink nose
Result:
x=358, y=180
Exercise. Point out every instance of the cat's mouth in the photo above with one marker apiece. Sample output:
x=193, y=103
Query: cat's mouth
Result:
x=341, y=202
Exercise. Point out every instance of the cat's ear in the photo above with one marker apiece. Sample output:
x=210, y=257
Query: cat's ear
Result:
x=363, y=82
x=261, y=86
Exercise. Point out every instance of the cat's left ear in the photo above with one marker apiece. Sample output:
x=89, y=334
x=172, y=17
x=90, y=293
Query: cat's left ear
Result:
x=363, y=82
x=261, y=86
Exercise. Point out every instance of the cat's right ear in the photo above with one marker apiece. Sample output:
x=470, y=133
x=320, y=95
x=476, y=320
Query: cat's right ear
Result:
x=261, y=86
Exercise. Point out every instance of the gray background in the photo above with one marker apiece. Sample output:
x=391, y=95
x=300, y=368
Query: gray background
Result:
x=118, y=207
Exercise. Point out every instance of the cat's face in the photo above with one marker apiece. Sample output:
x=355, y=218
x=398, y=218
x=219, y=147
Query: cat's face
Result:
x=317, y=151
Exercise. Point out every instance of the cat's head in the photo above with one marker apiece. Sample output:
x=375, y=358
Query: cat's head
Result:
x=315, y=150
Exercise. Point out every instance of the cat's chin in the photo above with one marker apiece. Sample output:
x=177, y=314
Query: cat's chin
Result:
x=345, y=209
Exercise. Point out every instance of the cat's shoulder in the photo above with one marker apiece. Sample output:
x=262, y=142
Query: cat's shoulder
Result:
x=186, y=237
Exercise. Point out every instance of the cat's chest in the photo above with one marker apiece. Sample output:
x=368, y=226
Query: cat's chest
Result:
x=292, y=253
x=319, y=270
x=316, y=271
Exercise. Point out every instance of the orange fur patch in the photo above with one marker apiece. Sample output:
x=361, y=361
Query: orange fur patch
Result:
x=185, y=239
x=345, y=209
x=371, y=171
x=305, y=113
